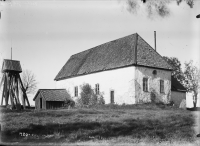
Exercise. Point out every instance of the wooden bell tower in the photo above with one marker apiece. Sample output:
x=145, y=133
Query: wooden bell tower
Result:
x=12, y=84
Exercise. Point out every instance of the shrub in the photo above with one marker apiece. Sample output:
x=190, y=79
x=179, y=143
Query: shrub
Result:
x=101, y=99
x=155, y=98
x=88, y=97
x=86, y=93
x=69, y=103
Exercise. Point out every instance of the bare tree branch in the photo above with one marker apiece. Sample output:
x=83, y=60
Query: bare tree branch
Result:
x=29, y=82
x=192, y=80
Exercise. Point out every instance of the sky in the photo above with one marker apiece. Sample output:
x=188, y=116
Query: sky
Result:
x=44, y=34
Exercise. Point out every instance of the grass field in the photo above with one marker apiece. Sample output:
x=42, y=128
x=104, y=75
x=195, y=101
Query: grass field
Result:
x=133, y=124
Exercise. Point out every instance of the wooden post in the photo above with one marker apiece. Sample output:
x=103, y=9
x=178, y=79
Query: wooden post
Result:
x=14, y=99
x=24, y=92
x=22, y=88
x=27, y=99
x=17, y=94
x=2, y=97
x=10, y=91
x=6, y=91
x=3, y=93
x=2, y=79
x=17, y=89
x=3, y=88
x=23, y=100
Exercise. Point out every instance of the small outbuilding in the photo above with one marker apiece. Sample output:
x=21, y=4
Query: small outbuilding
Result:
x=52, y=99
x=178, y=92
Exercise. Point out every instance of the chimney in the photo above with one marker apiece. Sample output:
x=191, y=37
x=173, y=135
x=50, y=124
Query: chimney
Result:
x=155, y=39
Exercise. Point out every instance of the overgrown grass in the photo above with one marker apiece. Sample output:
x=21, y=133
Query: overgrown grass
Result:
x=134, y=123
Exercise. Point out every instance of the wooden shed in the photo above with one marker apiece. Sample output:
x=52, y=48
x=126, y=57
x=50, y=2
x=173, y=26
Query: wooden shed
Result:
x=51, y=98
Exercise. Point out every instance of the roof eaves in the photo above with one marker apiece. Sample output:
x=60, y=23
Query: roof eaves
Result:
x=63, y=78
x=95, y=72
x=36, y=95
x=178, y=90
x=155, y=67
x=63, y=68
x=182, y=90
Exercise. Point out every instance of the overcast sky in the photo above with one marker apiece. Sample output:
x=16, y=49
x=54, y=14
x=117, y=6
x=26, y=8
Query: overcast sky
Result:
x=44, y=34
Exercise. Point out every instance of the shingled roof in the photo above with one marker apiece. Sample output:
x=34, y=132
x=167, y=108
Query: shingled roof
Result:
x=176, y=85
x=11, y=65
x=126, y=51
x=53, y=94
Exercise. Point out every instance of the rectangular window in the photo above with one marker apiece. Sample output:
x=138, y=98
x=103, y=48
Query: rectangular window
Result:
x=145, y=84
x=111, y=97
x=161, y=86
x=76, y=91
x=97, y=89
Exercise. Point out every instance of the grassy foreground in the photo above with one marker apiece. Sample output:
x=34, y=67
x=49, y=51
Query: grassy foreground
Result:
x=133, y=124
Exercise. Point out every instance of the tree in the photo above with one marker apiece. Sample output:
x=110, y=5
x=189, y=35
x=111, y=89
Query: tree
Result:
x=86, y=93
x=29, y=82
x=176, y=65
x=154, y=7
x=89, y=98
x=192, y=80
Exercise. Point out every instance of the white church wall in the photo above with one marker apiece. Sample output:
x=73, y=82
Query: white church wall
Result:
x=121, y=81
x=153, y=84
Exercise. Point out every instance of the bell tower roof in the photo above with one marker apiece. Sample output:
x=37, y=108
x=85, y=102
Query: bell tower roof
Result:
x=11, y=65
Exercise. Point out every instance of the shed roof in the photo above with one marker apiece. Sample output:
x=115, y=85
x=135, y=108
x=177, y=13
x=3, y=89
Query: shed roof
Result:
x=53, y=94
x=176, y=85
x=11, y=65
x=126, y=51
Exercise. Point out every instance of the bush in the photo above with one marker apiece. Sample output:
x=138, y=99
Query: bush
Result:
x=101, y=99
x=88, y=97
x=69, y=103
x=86, y=94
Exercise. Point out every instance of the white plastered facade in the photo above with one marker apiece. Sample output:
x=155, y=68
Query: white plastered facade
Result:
x=127, y=84
x=153, y=85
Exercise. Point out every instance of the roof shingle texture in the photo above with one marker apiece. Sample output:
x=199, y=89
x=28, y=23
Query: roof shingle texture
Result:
x=115, y=54
x=53, y=94
x=11, y=65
